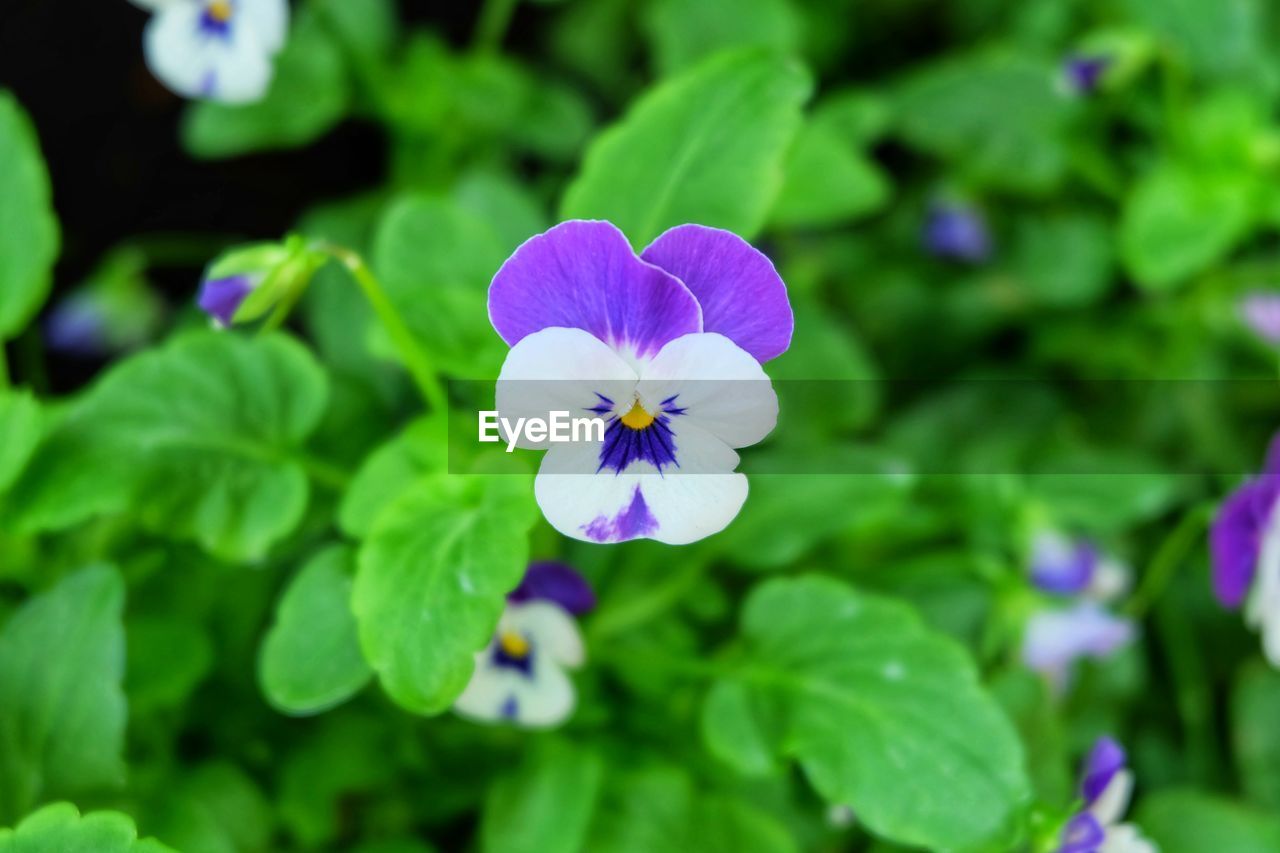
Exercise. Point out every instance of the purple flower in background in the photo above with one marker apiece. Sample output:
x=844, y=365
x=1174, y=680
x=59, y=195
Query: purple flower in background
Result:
x=1056, y=638
x=1244, y=544
x=1106, y=785
x=1260, y=311
x=220, y=298
x=1082, y=74
x=664, y=349
x=77, y=325
x=520, y=676
x=216, y=49
x=1060, y=565
x=956, y=232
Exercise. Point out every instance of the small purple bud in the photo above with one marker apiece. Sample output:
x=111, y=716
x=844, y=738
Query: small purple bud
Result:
x=77, y=326
x=1082, y=834
x=1084, y=73
x=220, y=298
x=1105, y=760
x=956, y=232
x=557, y=583
x=1061, y=566
x=1260, y=311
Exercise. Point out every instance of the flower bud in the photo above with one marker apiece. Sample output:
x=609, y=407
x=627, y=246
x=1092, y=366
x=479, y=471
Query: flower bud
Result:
x=248, y=282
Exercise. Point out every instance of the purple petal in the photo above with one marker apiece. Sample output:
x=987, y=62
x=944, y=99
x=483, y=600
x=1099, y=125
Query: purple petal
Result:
x=555, y=582
x=1083, y=73
x=1261, y=313
x=1055, y=639
x=958, y=233
x=1061, y=566
x=77, y=325
x=1082, y=834
x=741, y=294
x=1105, y=760
x=1235, y=538
x=583, y=275
x=220, y=298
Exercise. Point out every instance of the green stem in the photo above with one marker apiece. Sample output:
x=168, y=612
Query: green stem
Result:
x=1171, y=554
x=4, y=368
x=495, y=17
x=638, y=610
x=417, y=361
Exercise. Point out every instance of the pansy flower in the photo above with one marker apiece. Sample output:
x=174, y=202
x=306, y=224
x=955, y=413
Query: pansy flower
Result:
x=1058, y=635
x=957, y=232
x=1105, y=787
x=520, y=676
x=1244, y=543
x=221, y=50
x=665, y=348
x=1083, y=73
x=247, y=282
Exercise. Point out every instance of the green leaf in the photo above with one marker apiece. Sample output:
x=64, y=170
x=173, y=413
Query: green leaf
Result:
x=213, y=808
x=436, y=261
x=850, y=685
x=221, y=419
x=366, y=27
x=1186, y=821
x=1064, y=259
x=1178, y=221
x=311, y=658
x=390, y=471
x=20, y=425
x=546, y=805
x=683, y=33
x=1217, y=38
x=308, y=96
x=62, y=709
x=168, y=657
x=658, y=808
x=995, y=115
x=706, y=146
x=828, y=182
x=28, y=227
x=1255, y=707
x=59, y=828
x=432, y=581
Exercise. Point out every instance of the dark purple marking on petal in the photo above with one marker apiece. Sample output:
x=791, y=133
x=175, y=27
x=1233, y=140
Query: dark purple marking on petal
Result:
x=655, y=443
x=1083, y=73
x=555, y=582
x=583, y=275
x=521, y=663
x=741, y=294
x=956, y=232
x=1235, y=538
x=1063, y=571
x=633, y=521
x=1082, y=834
x=1105, y=760
x=220, y=298
x=509, y=708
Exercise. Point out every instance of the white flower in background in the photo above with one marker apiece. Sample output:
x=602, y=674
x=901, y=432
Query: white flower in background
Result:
x=520, y=676
x=220, y=50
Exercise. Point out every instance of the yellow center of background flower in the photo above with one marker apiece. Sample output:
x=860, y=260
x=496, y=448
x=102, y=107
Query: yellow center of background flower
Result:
x=220, y=11
x=637, y=418
x=513, y=644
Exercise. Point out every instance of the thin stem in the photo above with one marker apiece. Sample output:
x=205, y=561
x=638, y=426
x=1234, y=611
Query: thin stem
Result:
x=417, y=361
x=495, y=17
x=1171, y=554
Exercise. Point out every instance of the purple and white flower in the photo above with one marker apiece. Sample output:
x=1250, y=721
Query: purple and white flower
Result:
x=1260, y=311
x=1082, y=73
x=957, y=232
x=1244, y=544
x=220, y=50
x=1057, y=636
x=666, y=348
x=520, y=676
x=1105, y=787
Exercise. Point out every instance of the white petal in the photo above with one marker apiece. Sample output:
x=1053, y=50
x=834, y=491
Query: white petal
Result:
x=1262, y=610
x=551, y=631
x=196, y=64
x=722, y=388
x=488, y=691
x=545, y=700
x=269, y=20
x=674, y=508
x=560, y=369
x=1125, y=838
x=155, y=5
x=1114, y=799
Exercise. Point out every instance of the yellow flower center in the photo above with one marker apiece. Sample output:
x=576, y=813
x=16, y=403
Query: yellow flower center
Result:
x=513, y=645
x=219, y=10
x=637, y=418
